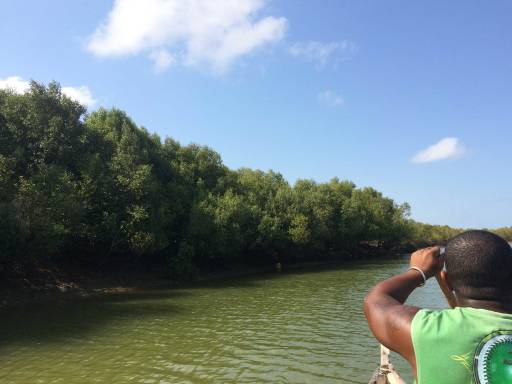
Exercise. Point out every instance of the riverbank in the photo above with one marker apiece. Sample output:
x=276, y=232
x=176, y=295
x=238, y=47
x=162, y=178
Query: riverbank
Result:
x=49, y=283
x=21, y=286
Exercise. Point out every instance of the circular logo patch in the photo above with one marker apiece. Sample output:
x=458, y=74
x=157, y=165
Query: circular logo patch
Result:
x=493, y=359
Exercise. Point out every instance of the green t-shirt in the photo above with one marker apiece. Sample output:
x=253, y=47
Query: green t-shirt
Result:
x=463, y=346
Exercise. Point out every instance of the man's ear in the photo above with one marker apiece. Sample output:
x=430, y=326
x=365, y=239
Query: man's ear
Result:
x=445, y=278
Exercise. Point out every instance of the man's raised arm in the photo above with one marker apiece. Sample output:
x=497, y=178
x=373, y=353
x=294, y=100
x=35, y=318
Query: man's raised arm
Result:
x=389, y=319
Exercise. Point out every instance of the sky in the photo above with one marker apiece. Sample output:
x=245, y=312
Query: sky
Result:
x=412, y=98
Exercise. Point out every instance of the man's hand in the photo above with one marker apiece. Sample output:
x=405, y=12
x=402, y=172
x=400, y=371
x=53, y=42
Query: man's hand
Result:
x=429, y=260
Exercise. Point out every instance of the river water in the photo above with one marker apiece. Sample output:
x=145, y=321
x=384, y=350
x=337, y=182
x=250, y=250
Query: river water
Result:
x=300, y=327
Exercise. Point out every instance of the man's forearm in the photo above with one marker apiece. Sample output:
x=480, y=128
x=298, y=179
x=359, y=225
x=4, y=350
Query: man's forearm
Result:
x=398, y=287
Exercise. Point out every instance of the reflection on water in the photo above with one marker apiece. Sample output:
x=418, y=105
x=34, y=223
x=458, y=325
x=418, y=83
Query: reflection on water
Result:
x=293, y=328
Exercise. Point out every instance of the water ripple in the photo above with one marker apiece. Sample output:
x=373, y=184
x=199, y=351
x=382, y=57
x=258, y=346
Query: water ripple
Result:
x=295, y=328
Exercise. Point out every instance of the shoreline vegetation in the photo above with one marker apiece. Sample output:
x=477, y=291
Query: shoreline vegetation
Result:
x=93, y=196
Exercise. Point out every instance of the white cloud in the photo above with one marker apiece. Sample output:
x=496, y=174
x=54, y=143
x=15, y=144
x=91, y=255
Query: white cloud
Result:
x=162, y=59
x=81, y=94
x=447, y=148
x=192, y=31
x=16, y=83
x=330, y=98
x=322, y=53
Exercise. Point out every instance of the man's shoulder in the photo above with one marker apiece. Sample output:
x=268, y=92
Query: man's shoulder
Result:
x=459, y=319
x=438, y=322
x=425, y=314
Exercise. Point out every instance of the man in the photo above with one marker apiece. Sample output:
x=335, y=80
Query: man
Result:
x=471, y=343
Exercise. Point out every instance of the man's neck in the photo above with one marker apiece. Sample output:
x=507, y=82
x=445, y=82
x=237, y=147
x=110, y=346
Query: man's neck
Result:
x=491, y=305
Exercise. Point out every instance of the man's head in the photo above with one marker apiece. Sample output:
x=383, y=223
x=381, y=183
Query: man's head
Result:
x=479, y=265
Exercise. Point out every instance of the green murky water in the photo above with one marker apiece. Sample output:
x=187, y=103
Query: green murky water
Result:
x=279, y=328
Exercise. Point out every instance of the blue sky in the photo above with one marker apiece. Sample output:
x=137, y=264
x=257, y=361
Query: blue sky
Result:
x=412, y=98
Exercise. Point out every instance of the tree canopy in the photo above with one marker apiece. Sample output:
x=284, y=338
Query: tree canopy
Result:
x=96, y=187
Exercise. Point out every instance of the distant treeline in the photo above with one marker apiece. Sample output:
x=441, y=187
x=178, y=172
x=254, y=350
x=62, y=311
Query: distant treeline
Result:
x=95, y=188
x=505, y=232
x=427, y=234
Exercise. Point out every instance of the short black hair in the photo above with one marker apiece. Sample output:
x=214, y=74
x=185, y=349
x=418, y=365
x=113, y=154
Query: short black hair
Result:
x=479, y=265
